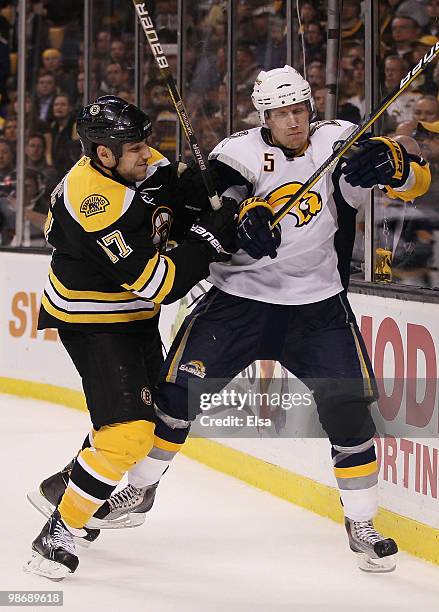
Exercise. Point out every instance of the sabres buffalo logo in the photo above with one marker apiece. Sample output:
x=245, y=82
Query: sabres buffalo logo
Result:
x=304, y=211
x=161, y=226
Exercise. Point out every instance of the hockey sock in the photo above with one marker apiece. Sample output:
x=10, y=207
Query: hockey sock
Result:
x=150, y=470
x=98, y=470
x=356, y=471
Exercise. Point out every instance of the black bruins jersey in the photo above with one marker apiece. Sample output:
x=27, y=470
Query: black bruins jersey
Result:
x=109, y=265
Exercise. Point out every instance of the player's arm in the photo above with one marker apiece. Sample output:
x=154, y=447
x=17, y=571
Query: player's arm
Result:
x=255, y=215
x=395, y=165
x=131, y=260
x=190, y=194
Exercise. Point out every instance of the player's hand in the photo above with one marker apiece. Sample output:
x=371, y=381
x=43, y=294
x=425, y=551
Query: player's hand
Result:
x=254, y=234
x=377, y=161
x=217, y=230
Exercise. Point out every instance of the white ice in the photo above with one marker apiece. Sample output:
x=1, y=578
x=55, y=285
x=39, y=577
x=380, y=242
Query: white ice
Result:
x=211, y=543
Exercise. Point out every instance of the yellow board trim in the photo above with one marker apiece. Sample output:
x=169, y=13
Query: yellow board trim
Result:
x=414, y=537
x=109, y=317
x=356, y=471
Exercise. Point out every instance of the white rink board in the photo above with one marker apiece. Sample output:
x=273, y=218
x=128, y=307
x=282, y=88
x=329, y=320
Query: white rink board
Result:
x=396, y=331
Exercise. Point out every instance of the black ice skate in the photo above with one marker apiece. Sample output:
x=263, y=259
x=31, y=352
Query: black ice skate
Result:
x=374, y=552
x=127, y=508
x=48, y=496
x=53, y=551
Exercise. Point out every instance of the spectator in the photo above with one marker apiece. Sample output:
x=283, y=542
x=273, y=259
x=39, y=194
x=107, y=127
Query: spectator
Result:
x=315, y=39
x=395, y=68
x=63, y=141
x=45, y=95
x=358, y=80
x=247, y=68
x=316, y=75
x=10, y=130
x=308, y=14
x=425, y=83
x=320, y=94
x=405, y=31
x=156, y=98
x=7, y=159
x=271, y=53
x=52, y=63
x=350, y=52
x=352, y=26
x=35, y=151
x=426, y=109
x=116, y=78
x=118, y=52
x=432, y=10
x=35, y=208
x=414, y=8
x=103, y=45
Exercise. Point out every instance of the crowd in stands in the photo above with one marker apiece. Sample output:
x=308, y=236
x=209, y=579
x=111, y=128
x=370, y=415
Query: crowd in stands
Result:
x=55, y=77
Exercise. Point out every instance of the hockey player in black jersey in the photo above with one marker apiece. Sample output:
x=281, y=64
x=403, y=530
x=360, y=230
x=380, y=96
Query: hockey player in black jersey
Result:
x=109, y=221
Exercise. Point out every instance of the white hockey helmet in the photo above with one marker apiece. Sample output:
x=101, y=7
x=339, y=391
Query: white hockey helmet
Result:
x=281, y=87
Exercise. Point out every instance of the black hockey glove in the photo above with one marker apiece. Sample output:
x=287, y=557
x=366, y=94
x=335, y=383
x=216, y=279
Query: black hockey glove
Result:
x=217, y=230
x=254, y=234
x=377, y=161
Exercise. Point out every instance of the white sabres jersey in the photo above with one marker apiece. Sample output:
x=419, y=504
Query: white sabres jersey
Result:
x=305, y=269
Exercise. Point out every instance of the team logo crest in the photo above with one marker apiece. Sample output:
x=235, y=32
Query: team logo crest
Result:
x=305, y=210
x=161, y=226
x=95, y=109
x=94, y=204
x=195, y=367
x=146, y=396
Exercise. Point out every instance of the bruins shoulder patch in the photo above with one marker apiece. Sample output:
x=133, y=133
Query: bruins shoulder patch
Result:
x=94, y=204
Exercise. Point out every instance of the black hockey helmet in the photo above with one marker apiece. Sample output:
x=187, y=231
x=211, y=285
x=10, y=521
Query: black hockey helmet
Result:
x=111, y=121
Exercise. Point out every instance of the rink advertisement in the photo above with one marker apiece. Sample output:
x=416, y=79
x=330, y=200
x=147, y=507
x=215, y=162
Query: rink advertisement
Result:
x=402, y=339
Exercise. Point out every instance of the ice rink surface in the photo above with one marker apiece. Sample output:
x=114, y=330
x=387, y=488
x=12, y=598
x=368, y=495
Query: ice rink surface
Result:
x=210, y=544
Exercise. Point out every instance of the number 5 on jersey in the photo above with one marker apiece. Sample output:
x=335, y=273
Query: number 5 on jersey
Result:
x=117, y=239
x=268, y=162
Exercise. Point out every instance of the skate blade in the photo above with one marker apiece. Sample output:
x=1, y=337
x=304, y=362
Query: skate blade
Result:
x=126, y=521
x=39, y=502
x=377, y=566
x=40, y=566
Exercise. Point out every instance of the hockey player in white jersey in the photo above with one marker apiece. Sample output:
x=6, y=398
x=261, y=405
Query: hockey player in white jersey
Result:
x=283, y=296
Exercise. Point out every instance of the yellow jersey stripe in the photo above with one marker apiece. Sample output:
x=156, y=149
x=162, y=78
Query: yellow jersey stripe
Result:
x=167, y=283
x=356, y=471
x=146, y=275
x=364, y=369
x=114, y=317
x=73, y=294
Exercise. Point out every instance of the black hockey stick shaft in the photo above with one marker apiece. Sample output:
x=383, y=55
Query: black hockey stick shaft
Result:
x=412, y=74
x=157, y=51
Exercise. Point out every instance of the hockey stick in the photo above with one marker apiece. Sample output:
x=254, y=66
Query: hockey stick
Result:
x=165, y=71
x=362, y=127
